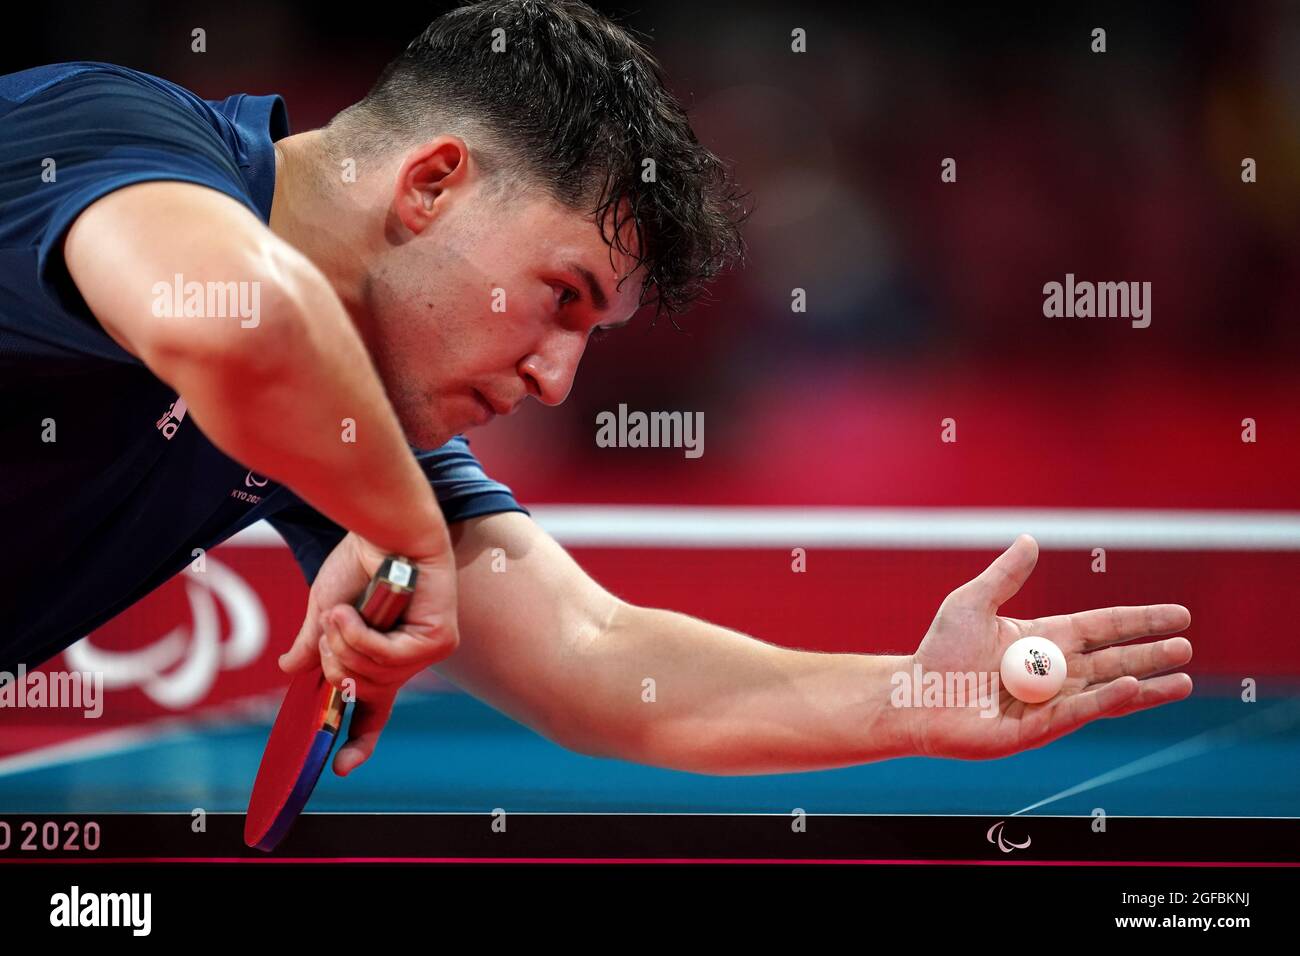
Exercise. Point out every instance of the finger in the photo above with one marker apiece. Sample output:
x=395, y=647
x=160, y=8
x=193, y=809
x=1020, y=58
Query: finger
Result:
x=1067, y=714
x=433, y=605
x=1111, y=625
x=1157, y=691
x=1135, y=660
x=334, y=644
x=368, y=720
x=303, y=654
x=355, y=686
x=396, y=648
x=999, y=582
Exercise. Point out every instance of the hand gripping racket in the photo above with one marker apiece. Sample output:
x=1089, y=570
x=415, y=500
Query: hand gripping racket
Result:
x=310, y=718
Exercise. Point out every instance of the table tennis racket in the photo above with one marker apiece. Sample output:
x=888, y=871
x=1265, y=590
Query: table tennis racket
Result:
x=310, y=718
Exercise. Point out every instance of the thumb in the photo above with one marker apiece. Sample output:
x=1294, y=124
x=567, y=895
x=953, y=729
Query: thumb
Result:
x=305, y=651
x=1001, y=580
x=368, y=721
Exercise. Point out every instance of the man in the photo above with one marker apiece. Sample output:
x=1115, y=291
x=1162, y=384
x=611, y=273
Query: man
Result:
x=206, y=321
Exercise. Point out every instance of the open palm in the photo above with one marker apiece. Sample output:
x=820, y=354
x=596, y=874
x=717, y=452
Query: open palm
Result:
x=1104, y=680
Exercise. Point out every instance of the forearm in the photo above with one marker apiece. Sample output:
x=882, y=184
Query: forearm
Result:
x=724, y=703
x=270, y=389
x=299, y=401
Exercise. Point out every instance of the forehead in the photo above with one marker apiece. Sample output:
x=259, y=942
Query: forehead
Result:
x=563, y=236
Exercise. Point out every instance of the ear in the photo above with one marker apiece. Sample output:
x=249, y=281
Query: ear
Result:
x=429, y=175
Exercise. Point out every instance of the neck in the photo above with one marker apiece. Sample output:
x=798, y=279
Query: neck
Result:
x=311, y=211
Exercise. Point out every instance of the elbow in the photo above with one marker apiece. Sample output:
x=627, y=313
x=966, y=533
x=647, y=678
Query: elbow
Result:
x=594, y=742
x=590, y=735
x=649, y=747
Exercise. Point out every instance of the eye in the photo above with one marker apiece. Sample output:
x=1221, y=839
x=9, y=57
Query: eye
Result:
x=567, y=295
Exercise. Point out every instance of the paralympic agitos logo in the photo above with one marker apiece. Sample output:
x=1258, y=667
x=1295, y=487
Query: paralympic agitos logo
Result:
x=995, y=835
x=177, y=670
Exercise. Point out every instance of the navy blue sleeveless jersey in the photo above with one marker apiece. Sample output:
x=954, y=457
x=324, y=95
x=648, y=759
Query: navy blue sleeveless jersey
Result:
x=105, y=486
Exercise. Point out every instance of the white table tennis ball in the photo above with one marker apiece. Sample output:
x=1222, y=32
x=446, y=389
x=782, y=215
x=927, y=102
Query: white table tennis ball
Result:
x=1033, y=670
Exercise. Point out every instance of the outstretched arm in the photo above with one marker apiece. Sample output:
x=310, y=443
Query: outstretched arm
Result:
x=542, y=642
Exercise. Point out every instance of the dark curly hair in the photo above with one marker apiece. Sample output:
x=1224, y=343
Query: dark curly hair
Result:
x=574, y=105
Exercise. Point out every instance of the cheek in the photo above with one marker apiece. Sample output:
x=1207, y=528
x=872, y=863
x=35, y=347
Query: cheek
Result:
x=520, y=337
x=504, y=335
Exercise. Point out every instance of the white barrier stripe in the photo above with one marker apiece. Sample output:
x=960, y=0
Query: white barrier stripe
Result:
x=616, y=526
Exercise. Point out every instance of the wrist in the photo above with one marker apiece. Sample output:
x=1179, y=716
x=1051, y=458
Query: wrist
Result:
x=896, y=726
x=414, y=529
x=430, y=539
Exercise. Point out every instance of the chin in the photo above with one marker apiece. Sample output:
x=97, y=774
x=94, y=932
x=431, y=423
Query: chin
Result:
x=434, y=422
x=427, y=435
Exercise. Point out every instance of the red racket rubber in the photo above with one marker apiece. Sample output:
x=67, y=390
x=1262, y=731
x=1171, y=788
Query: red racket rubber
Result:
x=310, y=718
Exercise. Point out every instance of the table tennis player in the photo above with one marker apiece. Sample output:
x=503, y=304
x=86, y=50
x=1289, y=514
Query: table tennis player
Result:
x=437, y=254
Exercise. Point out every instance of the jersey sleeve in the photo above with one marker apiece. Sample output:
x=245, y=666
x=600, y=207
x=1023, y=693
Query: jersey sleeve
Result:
x=78, y=140
x=463, y=489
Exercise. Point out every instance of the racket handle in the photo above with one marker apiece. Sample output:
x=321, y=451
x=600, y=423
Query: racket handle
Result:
x=388, y=594
x=381, y=607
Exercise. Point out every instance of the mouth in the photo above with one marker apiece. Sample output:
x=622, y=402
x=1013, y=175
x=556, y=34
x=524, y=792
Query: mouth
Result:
x=488, y=412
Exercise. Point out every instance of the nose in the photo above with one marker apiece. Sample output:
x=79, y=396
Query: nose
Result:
x=549, y=371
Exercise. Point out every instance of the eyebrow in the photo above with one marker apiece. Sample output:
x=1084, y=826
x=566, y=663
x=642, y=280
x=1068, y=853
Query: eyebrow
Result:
x=598, y=298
